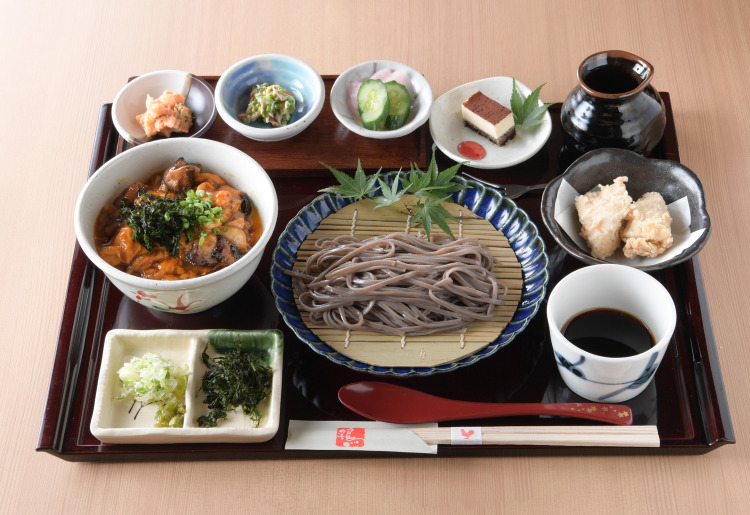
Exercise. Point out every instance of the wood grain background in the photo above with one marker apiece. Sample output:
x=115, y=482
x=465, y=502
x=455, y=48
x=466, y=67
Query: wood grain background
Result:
x=61, y=60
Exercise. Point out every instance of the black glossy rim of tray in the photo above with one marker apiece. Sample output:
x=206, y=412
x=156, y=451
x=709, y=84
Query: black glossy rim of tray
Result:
x=687, y=400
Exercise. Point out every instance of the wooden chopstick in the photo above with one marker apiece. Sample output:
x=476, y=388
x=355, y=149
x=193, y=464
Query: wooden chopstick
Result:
x=581, y=436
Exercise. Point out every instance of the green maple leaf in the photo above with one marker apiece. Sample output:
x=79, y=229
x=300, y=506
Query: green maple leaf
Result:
x=432, y=211
x=443, y=184
x=527, y=113
x=357, y=187
x=431, y=187
x=417, y=181
x=391, y=194
x=431, y=182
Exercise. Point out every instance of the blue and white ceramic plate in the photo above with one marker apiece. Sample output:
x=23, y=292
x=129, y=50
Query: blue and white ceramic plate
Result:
x=500, y=211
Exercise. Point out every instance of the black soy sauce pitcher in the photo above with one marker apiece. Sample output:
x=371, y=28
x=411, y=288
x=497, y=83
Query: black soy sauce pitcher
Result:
x=614, y=105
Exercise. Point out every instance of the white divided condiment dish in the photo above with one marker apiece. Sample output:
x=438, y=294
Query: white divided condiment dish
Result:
x=113, y=421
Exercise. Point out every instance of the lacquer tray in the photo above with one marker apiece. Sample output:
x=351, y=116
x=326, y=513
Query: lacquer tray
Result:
x=686, y=401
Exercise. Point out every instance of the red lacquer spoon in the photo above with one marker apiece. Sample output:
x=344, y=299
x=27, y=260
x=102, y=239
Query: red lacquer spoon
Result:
x=399, y=405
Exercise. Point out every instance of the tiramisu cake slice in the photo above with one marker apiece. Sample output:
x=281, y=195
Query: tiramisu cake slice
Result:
x=489, y=118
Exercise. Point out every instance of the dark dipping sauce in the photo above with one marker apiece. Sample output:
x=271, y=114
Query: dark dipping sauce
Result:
x=610, y=333
x=611, y=80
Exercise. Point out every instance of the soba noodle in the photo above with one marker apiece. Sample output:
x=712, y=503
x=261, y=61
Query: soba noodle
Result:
x=399, y=284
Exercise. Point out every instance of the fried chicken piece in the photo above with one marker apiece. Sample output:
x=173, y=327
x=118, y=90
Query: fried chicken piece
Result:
x=648, y=232
x=602, y=214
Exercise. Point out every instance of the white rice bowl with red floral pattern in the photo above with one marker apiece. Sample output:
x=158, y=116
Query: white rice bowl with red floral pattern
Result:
x=187, y=295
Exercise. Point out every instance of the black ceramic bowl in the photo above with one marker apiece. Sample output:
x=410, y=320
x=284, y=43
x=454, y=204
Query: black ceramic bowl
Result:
x=672, y=180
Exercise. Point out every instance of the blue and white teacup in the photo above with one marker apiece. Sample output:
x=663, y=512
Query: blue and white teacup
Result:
x=607, y=379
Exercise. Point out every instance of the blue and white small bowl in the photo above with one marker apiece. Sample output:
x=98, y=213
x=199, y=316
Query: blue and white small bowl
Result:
x=294, y=75
x=600, y=378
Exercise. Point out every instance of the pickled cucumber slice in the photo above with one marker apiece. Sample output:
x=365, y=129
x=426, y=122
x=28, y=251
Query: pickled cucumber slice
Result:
x=400, y=105
x=373, y=104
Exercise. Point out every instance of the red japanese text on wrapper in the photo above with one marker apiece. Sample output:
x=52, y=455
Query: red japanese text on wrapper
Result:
x=350, y=437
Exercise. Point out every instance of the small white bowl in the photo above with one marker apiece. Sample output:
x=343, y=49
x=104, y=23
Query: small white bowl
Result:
x=421, y=103
x=294, y=75
x=131, y=101
x=137, y=164
x=600, y=378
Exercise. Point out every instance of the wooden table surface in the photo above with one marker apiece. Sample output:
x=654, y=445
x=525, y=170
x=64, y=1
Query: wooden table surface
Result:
x=61, y=60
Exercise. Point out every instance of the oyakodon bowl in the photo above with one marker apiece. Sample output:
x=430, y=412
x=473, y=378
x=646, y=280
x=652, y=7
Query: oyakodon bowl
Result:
x=295, y=76
x=131, y=101
x=138, y=164
x=421, y=101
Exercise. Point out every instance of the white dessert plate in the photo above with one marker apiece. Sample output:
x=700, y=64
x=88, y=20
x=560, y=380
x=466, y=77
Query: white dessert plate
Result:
x=113, y=421
x=448, y=129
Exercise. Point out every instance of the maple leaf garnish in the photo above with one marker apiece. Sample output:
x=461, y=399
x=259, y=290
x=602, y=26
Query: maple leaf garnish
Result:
x=432, y=187
x=527, y=113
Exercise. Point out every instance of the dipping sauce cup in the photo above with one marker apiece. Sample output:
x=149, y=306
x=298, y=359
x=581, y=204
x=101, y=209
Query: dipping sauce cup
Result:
x=615, y=287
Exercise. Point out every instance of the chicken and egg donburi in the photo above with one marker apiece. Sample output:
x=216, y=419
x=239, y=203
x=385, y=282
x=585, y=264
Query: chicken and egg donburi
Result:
x=181, y=223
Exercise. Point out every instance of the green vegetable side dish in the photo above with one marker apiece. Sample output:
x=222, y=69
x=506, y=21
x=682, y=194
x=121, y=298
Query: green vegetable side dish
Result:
x=152, y=379
x=270, y=103
x=239, y=377
x=163, y=219
x=431, y=187
x=383, y=105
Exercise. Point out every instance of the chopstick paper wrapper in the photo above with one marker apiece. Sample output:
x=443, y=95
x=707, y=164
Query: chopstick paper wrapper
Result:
x=338, y=435
x=424, y=439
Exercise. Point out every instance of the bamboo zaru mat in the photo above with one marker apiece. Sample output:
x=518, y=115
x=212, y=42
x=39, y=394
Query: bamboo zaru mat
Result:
x=362, y=220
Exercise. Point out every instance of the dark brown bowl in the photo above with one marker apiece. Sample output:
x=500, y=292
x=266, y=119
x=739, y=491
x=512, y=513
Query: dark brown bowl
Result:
x=669, y=178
